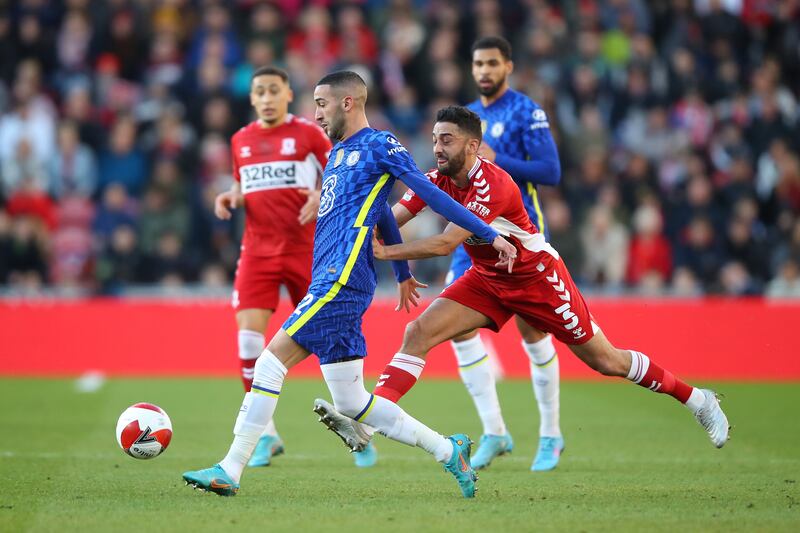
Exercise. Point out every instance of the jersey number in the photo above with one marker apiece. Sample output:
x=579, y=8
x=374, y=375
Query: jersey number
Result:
x=327, y=196
x=305, y=302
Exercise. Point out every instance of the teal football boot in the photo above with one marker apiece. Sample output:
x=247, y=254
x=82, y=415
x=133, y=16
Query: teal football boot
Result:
x=366, y=457
x=213, y=479
x=267, y=448
x=459, y=466
x=548, y=454
x=489, y=447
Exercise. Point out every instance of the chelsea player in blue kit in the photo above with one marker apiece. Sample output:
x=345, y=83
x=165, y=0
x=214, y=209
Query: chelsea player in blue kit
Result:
x=517, y=138
x=356, y=183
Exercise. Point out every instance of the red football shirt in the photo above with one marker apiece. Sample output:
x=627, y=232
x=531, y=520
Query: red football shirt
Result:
x=271, y=164
x=493, y=196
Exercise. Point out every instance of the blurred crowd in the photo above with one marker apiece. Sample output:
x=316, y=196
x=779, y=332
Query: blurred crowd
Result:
x=677, y=123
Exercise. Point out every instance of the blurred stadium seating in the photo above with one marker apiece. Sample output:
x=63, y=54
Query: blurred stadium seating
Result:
x=677, y=125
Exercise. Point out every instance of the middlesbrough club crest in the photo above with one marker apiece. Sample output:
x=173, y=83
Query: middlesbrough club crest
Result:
x=288, y=146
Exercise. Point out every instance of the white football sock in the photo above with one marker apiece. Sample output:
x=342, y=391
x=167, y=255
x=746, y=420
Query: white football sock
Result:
x=545, y=379
x=254, y=415
x=251, y=344
x=479, y=379
x=346, y=384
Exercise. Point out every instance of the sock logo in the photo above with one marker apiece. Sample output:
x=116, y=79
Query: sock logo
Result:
x=654, y=386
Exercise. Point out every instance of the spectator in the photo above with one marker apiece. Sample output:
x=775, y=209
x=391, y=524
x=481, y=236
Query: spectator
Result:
x=649, y=255
x=116, y=209
x=122, y=161
x=73, y=171
x=700, y=251
x=25, y=253
x=787, y=283
x=119, y=263
x=605, y=244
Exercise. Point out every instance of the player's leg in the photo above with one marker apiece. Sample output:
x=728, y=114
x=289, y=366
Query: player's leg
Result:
x=554, y=303
x=545, y=380
x=345, y=381
x=441, y=321
x=635, y=366
x=257, y=409
x=252, y=322
x=257, y=292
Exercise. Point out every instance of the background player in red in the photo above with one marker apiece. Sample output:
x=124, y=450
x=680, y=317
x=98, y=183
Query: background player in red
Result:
x=540, y=290
x=277, y=164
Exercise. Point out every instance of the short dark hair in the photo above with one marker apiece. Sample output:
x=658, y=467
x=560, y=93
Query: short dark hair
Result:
x=342, y=77
x=493, y=41
x=466, y=120
x=269, y=70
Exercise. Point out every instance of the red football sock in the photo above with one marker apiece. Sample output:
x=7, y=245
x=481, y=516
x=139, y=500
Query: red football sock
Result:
x=649, y=375
x=399, y=376
x=248, y=366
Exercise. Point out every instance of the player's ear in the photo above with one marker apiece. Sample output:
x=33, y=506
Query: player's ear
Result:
x=291, y=96
x=509, y=67
x=347, y=103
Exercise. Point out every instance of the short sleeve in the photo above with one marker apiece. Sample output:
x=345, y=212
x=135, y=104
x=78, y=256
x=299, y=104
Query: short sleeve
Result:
x=392, y=157
x=412, y=202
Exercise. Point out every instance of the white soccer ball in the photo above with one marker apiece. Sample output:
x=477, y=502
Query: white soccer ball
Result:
x=144, y=430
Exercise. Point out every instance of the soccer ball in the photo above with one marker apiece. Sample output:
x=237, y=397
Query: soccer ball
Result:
x=144, y=430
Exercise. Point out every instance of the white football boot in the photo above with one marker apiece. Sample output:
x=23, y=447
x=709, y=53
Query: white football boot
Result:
x=348, y=429
x=712, y=418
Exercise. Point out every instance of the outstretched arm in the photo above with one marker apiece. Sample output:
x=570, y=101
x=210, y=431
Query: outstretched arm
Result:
x=438, y=245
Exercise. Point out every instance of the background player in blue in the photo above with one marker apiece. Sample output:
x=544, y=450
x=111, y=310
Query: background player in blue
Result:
x=355, y=185
x=516, y=136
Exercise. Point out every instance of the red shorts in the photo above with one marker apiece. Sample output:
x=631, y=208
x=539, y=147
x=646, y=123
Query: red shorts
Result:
x=548, y=300
x=258, y=280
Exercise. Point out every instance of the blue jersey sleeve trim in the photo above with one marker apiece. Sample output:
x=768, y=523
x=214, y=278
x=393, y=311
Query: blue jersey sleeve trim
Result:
x=440, y=202
x=391, y=235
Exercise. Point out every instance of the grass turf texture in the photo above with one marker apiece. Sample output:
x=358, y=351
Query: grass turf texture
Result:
x=634, y=461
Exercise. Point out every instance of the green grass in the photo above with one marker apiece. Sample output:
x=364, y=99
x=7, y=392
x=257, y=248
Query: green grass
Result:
x=634, y=461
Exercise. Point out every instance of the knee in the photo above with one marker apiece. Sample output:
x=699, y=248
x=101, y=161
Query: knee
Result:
x=269, y=371
x=611, y=363
x=415, y=338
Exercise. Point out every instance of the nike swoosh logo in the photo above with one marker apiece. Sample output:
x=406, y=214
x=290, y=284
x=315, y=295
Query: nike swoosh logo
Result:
x=215, y=485
x=464, y=465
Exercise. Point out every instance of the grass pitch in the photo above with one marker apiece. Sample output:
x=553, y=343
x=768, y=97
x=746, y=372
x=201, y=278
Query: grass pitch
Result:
x=634, y=461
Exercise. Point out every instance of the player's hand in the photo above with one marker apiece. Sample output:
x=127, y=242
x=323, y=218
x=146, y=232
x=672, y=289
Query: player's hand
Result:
x=407, y=294
x=507, y=253
x=226, y=201
x=486, y=152
x=308, y=212
x=378, y=249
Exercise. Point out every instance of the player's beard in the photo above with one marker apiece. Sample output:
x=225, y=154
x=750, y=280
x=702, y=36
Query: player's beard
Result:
x=454, y=165
x=492, y=89
x=336, y=126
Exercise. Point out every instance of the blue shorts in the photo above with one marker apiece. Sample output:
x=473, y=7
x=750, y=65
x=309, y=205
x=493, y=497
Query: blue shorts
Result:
x=327, y=322
x=459, y=263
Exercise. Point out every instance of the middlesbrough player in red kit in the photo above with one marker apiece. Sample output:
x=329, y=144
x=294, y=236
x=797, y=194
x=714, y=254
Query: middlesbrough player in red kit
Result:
x=277, y=164
x=540, y=290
